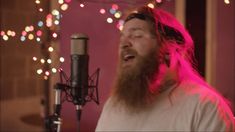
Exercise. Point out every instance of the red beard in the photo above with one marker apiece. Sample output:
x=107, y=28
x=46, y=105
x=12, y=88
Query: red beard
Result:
x=132, y=86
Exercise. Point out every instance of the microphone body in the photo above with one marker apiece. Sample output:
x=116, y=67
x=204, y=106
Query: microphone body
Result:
x=79, y=68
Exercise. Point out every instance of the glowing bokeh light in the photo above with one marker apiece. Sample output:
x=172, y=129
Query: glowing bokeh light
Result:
x=102, y=11
x=2, y=33
x=45, y=77
x=109, y=20
x=61, y=59
x=54, y=70
x=56, y=22
x=27, y=29
x=42, y=61
x=30, y=37
x=24, y=33
x=60, y=1
x=22, y=38
x=54, y=35
x=55, y=12
x=9, y=32
x=35, y=58
x=31, y=28
x=158, y=1
x=112, y=11
x=47, y=73
x=40, y=23
x=50, y=49
x=151, y=5
x=40, y=9
x=37, y=1
x=226, y=1
x=38, y=39
x=67, y=1
x=39, y=33
x=114, y=6
x=82, y=5
x=49, y=61
x=13, y=34
x=39, y=71
x=64, y=7
x=117, y=14
x=5, y=37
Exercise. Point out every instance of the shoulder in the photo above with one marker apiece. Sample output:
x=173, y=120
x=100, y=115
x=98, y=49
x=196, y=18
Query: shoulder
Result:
x=211, y=109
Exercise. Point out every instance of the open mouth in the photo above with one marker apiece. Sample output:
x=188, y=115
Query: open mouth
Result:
x=128, y=57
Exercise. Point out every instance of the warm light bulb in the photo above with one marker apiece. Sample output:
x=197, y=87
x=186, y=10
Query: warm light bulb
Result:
x=47, y=73
x=61, y=59
x=42, y=61
x=50, y=49
x=54, y=70
x=35, y=58
x=64, y=7
x=39, y=71
x=226, y=1
x=49, y=61
x=109, y=20
x=151, y=5
x=82, y=5
x=5, y=37
x=30, y=37
x=45, y=77
x=37, y=1
x=54, y=35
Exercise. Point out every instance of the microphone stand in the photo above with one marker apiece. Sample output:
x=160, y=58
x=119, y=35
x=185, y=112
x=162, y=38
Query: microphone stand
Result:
x=53, y=122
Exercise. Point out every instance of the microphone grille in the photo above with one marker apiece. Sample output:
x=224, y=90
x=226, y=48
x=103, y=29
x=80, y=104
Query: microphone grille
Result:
x=79, y=44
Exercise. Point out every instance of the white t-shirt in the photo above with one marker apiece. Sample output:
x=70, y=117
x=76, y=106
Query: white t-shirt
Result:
x=189, y=107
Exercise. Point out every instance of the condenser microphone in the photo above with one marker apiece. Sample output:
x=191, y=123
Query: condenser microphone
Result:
x=79, y=69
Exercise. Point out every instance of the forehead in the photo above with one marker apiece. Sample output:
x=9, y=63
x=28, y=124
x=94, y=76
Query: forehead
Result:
x=136, y=24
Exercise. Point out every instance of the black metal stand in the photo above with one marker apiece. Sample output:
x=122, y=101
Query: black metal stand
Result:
x=54, y=122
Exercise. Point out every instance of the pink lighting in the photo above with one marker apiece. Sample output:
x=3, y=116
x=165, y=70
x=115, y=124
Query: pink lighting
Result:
x=114, y=6
x=39, y=33
x=102, y=11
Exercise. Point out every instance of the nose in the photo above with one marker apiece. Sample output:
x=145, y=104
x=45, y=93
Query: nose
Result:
x=125, y=43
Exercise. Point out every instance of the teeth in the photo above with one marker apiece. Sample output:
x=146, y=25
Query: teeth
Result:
x=128, y=56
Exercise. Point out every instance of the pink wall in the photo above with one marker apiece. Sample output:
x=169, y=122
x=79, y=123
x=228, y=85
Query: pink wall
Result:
x=103, y=45
x=225, y=61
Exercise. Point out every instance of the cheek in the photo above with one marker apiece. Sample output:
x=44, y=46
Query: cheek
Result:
x=146, y=47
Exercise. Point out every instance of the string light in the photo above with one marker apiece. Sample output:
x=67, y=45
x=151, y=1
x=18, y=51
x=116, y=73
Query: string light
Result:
x=158, y=1
x=54, y=35
x=109, y=20
x=53, y=70
x=22, y=38
x=37, y=1
x=40, y=9
x=30, y=37
x=151, y=5
x=42, y=61
x=102, y=11
x=82, y=5
x=50, y=49
x=39, y=71
x=5, y=37
x=47, y=73
x=226, y=1
x=60, y=1
x=64, y=7
x=61, y=59
x=35, y=58
x=49, y=61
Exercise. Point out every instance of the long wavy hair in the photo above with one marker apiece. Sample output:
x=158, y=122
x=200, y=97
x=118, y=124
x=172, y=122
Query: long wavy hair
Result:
x=174, y=40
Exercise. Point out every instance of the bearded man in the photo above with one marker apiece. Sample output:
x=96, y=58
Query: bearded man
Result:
x=157, y=88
